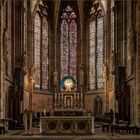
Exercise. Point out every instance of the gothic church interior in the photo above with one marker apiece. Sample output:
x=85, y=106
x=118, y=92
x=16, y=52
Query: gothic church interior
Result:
x=69, y=58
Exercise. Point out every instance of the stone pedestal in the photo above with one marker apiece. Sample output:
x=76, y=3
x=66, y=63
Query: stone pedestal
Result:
x=25, y=120
x=28, y=122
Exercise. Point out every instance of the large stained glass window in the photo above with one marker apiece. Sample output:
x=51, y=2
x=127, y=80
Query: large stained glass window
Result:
x=68, y=43
x=96, y=52
x=41, y=51
x=37, y=46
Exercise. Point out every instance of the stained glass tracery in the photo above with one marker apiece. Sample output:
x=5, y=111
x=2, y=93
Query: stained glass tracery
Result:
x=37, y=39
x=68, y=43
x=96, y=52
x=44, y=53
x=92, y=55
x=41, y=51
x=99, y=52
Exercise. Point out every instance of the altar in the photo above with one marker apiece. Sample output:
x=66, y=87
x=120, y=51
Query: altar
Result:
x=66, y=125
x=69, y=115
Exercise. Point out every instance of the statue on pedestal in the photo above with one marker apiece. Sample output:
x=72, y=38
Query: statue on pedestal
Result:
x=81, y=75
x=25, y=61
x=131, y=41
x=55, y=79
x=104, y=75
x=32, y=72
x=6, y=45
x=113, y=62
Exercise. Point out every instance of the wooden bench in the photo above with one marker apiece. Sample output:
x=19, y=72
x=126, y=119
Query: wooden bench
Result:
x=137, y=129
x=121, y=126
x=105, y=122
x=132, y=129
x=105, y=127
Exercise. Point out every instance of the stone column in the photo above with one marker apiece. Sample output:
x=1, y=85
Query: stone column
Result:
x=137, y=93
x=1, y=63
x=30, y=124
x=25, y=120
x=92, y=127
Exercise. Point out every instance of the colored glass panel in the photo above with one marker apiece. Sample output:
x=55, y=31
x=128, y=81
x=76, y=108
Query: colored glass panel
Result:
x=37, y=39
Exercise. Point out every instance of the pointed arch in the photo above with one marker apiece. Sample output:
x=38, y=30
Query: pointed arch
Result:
x=68, y=43
x=96, y=47
x=40, y=45
x=98, y=106
x=37, y=46
x=68, y=22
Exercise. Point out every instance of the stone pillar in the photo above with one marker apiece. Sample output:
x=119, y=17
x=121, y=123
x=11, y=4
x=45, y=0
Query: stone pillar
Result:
x=25, y=120
x=137, y=94
x=92, y=127
x=104, y=76
x=1, y=64
x=30, y=123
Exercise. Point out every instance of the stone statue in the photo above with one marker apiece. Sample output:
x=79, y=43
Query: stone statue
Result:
x=95, y=9
x=25, y=61
x=112, y=61
x=5, y=54
x=6, y=45
x=131, y=41
x=55, y=78
x=104, y=67
x=81, y=75
x=32, y=72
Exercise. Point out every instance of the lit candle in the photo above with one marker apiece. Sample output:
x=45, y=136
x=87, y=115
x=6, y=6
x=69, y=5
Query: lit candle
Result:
x=44, y=112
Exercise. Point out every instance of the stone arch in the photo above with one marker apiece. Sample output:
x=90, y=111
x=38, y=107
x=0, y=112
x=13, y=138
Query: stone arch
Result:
x=62, y=6
x=98, y=106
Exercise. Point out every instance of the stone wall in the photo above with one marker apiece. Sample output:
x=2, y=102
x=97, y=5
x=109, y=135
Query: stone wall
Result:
x=90, y=102
x=41, y=102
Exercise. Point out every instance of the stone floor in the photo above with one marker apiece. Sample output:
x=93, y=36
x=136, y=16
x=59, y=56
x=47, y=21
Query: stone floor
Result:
x=99, y=135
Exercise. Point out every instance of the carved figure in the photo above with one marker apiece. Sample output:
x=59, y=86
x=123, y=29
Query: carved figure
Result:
x=104, y=72
x=55, y=78
x=6, y=45
x=32, y=72
x=95, y=9
x=113, y=61
x=131, y=41
x=25, y=60
x=81, y=75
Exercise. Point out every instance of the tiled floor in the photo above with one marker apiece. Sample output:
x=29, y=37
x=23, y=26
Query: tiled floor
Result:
x=99, y=135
